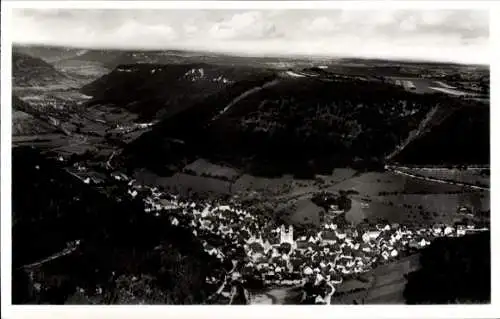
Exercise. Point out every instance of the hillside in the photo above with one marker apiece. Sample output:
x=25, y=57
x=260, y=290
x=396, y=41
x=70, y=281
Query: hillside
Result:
x=48, y=54
x=450, y=270
x=132, y=256
x=311, y=124
x=453, y=270
x=462, y=138
x=24, y=122
x=156, y=90
x=31, y=72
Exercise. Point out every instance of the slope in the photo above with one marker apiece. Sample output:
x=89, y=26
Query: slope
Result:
x=156, y=90
x=462, y=138
x=301, y=125
x=30, y=72
x=120, y=247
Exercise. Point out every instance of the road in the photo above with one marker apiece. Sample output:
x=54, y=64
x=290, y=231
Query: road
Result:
x=62, y=253
x=397, y=170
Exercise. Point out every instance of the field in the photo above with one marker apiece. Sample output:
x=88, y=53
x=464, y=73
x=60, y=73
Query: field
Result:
x=444, y=205
x=423, y=86
x=202, y=167
x=375, y=210
x=338, y=175
x=408, y=200
x=373, y=183
x=387, y=283
x=182, y=183
x=304, y=212
x=248, y=183
x=375, y=195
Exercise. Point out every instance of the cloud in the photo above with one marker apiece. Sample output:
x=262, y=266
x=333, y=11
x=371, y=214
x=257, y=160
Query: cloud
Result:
x=134, y=31
x=247, y=25
x=451, y=35
x=321, y=25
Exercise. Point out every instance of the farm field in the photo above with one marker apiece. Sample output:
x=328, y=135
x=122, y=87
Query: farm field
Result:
x=377, y=195
x=375, y=210
x=338, y=175
x=423, y=86
x=387, y=284
x=416, y=209
x=373, y=183
x=202, y=167
x=444, y=204
x=182, y=182
x=246, y=183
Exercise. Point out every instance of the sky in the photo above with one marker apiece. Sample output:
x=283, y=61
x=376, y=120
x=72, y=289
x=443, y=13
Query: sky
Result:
x=437, y=35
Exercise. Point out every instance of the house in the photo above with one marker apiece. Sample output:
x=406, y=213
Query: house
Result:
x=370, y=235
x=329, y=237
x=175, y=221
x=448, y=231
x=340, y=235
x=437, y=230
x=308, y=271
x=302, y=245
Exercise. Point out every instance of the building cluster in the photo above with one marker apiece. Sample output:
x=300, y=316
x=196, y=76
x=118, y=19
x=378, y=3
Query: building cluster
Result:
x=275, y=255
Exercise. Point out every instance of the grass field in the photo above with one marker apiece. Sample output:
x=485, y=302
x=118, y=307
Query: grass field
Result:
x=275, y=186
x=442, y=207
x=371, y=184
x=338, y=175
x=396, y=198
x=202, y=167
x=386, y=285
x=182, y=182
x=404, y=199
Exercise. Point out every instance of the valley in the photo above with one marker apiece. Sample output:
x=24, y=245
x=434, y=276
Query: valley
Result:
x=297, y=145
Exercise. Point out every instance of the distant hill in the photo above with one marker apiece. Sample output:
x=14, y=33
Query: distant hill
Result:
x=157, y=90
x=303, y=125
x=49, y=54
x=31, y=72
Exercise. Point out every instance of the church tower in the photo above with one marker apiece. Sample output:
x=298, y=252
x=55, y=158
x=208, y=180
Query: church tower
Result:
x=282, y=234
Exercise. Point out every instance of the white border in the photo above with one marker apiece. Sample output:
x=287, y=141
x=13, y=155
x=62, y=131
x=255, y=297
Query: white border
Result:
x=8, y=311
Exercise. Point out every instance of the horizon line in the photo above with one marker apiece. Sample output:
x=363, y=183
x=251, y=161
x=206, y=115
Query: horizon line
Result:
x=252, y=55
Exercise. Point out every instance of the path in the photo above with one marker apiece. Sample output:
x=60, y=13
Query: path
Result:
x=62, y=253
x=244, y=95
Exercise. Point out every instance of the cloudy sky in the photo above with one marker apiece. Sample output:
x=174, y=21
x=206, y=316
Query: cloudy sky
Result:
x=443, y=35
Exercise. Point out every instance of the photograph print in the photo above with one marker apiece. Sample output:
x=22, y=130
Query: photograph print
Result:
x=250, y=157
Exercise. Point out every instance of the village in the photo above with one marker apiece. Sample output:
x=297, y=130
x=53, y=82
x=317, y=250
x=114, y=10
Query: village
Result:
x=276, y=255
